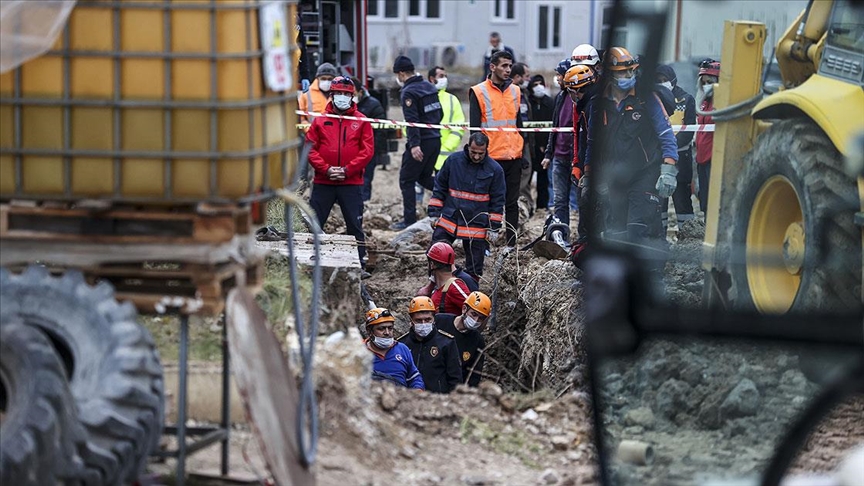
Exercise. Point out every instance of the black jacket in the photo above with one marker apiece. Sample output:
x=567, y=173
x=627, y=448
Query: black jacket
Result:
x=371, y=108
x=542, y=109
x=685, y=102
x=437, y=358
x=420, y=104
x=470, y=344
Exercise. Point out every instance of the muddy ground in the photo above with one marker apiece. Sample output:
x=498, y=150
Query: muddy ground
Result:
x=704, y=408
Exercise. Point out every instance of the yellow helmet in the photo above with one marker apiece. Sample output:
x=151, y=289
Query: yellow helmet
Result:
x=378, y=315
x=620, y=59
x=421, y=303
x=578, y=76
x=480, y=302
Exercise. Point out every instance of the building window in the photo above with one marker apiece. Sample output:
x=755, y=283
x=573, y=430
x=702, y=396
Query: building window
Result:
x=504, y=10
x=391, y=9
x=549, y=27
x=608, y=35
x=430, y=9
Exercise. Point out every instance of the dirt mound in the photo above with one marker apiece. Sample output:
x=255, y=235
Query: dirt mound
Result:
x=684, y=275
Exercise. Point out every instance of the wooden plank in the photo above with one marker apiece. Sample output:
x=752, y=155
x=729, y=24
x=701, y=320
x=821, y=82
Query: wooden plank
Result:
x=337, y=251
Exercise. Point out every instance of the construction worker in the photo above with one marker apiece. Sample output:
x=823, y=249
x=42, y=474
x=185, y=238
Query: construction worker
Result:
x=446, y=289
x=495, y=45
x=451, y=138
x=339, y=152
x=494, y=103
x=468, y=201
x=542, y=109
x=370, y=107
x=466, y=329
x=684, y=114
x=709, y=75
x=434, y=351
x=393, y=361
x=419, y=104
x=558, y=158
x=316, y=97
x=634, y=141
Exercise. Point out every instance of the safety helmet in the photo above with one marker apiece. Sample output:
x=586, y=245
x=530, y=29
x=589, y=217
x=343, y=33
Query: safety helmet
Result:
x=585, y=54
x=480, y=302
x=441, y=252
x=578, y=76
x=421, y=303
x=342, y=84
x=563, y=66
x=378, y=315
x=620, y=59
x=709, y=67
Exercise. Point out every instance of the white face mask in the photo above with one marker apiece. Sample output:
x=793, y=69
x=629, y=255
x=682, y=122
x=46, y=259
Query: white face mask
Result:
x=471, y=323
x=400, y=82
x=524, y=84
x=355, y=99
x=708, y=89
x=383, y=343
x=557, y=84
x=667, y=85
x=423, y=330
x=342, y=101
x=441, y=83
x=324, y=85
x=539, y=91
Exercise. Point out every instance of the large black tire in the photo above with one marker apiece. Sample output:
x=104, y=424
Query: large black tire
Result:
x=114, y=369
x=41, y=440
x=800, y=151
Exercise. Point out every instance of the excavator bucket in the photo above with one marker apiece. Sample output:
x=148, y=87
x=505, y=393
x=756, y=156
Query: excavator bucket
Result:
x=268, y=388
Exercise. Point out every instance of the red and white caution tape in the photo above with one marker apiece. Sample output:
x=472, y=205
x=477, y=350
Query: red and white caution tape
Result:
x=532, y=127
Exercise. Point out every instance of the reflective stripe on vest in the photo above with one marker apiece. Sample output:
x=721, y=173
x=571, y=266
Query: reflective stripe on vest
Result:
x=499, y=110
x=469, y=196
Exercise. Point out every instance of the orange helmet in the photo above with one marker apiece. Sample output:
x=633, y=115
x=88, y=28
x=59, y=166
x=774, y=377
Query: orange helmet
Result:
x=421, y=303
x=578, y=76
x=378, y=315
x=441, y=252
x=620, y=59
x=480, y=302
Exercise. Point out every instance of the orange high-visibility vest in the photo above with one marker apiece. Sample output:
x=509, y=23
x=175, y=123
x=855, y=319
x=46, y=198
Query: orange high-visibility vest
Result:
x=498, y=110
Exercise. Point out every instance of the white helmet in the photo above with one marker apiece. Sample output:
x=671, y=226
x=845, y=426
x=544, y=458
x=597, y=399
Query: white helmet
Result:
x=585, y=54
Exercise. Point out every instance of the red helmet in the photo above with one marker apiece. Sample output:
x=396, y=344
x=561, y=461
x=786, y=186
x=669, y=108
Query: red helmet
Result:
x=709, y=67
x=342, y=85
x=441, y=252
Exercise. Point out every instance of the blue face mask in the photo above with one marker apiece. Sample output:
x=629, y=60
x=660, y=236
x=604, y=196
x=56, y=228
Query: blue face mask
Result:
x=626, y=84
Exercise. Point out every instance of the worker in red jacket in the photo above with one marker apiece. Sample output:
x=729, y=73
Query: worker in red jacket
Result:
x=340, y=150
x=709, y=75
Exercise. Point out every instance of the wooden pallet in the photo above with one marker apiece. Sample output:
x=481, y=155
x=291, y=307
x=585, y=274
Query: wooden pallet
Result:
x=124, y=225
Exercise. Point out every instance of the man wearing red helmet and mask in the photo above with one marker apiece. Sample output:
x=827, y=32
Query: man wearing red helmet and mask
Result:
x=709, y=75
x=340, y=150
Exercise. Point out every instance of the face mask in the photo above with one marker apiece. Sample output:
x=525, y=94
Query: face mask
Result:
x=441, y=83
x=557, y=84
x=667, y=85
x=383, y=343
x=539, y=91
x=324, y=85
x=708, y=89
x=342, y=102
x=423, y=330
x=626, y=84
x=524, y=84
x=355, y=99
x=471, y=323
x=400, y=82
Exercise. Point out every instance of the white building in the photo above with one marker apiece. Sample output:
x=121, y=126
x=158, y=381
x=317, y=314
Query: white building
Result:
x=455, y=33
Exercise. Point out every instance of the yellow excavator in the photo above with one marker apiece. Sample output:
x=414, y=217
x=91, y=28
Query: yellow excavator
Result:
x=785, y=219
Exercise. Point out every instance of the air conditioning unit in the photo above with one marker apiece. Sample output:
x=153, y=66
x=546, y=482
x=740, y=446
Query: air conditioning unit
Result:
x=448, y=54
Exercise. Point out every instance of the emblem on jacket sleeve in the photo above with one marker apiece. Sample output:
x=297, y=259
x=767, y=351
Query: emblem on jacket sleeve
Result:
x=434, y=351
x=466, y=356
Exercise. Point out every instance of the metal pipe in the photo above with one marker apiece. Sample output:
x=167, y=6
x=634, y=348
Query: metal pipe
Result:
x=181, y=399
x=226, y=396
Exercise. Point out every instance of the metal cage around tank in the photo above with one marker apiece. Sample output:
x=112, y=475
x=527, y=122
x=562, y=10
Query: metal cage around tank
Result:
x=149, y=102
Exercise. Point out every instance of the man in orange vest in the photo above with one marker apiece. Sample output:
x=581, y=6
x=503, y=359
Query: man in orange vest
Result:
x=495, y=103
x=317, y=96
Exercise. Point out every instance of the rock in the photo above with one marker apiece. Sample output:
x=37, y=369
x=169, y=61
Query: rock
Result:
x=794, y=381
x=407, y=453
x=561, y=442
x=530, y=415
x=543, y=407
x=671, y=397
x=477, y=480
x=634, y=430
x=549, y=476
x=642, y=416
x=709, y=410
x=466, y=390
x=507, y=403
x=742, y=401
x=490, y=389
x=388, y=399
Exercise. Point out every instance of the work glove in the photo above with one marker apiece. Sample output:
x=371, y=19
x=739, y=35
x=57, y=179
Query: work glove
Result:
x=583, y=182
x=433, y=222
x=667, y=181
x=304, y=83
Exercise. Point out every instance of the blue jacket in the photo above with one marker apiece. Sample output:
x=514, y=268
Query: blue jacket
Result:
x=397, y=366
x=420, y=104
x=468, y=197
